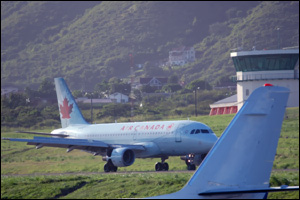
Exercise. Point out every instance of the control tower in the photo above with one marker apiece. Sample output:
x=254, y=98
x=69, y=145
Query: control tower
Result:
x=255, y=68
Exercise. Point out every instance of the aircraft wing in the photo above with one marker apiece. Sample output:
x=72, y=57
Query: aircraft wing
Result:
x=83, y=144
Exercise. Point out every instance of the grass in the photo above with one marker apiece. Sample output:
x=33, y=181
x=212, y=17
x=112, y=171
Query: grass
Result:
x=19, y=158
x=111, y=186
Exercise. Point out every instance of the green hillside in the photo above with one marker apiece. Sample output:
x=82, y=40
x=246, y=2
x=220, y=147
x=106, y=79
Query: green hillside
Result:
x=258, y=28
x=87, y=42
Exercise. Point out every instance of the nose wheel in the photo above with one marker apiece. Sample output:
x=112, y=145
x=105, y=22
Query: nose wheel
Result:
x=191, y=166
x=162, y=166
x=189, y=161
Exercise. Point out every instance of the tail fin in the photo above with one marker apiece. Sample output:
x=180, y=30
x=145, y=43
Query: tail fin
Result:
x=68, y=109
x=243, y=156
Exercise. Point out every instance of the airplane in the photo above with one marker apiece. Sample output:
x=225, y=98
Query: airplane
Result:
x=120, y=143
x=239, y=164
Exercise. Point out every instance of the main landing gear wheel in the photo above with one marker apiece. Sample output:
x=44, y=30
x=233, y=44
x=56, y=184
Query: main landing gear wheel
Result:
x=162, y=166
x=109, y=167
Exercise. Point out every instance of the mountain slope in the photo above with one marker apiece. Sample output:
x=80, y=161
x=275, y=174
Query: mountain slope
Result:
x=86, y=42
x=258, y=28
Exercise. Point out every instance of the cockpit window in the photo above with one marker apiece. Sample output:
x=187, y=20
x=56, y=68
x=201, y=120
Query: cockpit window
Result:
x=204, y=131
x=197, y=131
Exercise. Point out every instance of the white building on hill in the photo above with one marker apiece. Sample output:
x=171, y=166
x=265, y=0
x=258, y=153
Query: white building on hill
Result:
x=181, y=56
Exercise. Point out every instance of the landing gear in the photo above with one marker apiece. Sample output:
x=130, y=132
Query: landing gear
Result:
x=190, y=162
x=191, y=166
x=162, y=166
x=109, y=167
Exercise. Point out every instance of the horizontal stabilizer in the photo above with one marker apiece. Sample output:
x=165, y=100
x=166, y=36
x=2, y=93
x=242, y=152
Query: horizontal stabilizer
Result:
x=271, y=189
x=39, y=133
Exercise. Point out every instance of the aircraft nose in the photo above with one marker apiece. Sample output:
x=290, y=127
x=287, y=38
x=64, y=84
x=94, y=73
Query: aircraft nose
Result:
x=208, y=141
x=212, y=140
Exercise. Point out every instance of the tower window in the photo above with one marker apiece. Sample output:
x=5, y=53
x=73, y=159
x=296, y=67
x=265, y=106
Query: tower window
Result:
x=247, y=92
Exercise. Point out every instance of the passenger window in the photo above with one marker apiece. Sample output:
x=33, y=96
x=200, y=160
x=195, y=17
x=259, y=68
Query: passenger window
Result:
x=204, y=131
x=193, y=131
x=197, y=131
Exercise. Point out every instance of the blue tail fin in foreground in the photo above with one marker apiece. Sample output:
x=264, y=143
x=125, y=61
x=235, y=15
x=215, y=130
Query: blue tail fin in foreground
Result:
x=242, y=158
x=68, y=109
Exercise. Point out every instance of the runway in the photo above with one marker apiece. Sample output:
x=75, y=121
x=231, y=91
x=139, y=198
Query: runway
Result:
x=118, y=173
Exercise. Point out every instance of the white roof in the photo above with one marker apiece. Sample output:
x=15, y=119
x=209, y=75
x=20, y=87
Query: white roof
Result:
x=227, y=102
x=264, y=52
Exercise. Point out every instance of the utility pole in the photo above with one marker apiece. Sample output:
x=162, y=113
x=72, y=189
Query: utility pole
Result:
x=90, y=95
x=91, y=109
x=132, y=79
x=278, y=37
x=196, y=100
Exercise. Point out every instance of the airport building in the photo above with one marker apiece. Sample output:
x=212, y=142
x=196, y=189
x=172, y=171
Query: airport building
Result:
x=255, y=68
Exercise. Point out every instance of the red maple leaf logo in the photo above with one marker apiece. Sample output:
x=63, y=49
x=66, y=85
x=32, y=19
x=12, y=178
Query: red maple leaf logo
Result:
x=65, y=109
x=170, y=126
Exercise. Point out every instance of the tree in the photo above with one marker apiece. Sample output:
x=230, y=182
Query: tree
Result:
x=151, y=70
x=172, y=87
x=102, y=88
x=77, y=93
x=173, y=79
x=148, y=89
x=46, y=89
x=119, y=65
x=17, y=99
x=219, y=29
x=30, y=93
x=203, y=85
x=117, y=85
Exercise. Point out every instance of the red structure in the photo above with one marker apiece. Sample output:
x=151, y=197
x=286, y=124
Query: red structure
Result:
x=223, y=110
x=224, y=106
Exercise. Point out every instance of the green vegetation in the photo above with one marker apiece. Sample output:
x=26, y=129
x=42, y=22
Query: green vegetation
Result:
x=88, y=42
x=112, y=186
x=29, y=109
x=92, y=186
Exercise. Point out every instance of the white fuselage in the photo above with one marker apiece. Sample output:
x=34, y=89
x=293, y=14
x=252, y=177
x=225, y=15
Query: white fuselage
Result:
x=161, y=138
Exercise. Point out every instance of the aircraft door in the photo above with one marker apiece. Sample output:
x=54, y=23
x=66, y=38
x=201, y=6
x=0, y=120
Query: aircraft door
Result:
x=179, y=132
x=134, y=136
x=178, y=135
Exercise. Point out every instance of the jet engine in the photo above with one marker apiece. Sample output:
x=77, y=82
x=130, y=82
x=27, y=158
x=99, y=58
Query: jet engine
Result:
x=122, y=157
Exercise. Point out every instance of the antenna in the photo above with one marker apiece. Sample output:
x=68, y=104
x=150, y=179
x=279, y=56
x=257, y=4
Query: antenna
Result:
x=242, y=43
x=278, y=38
x=237, y=42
